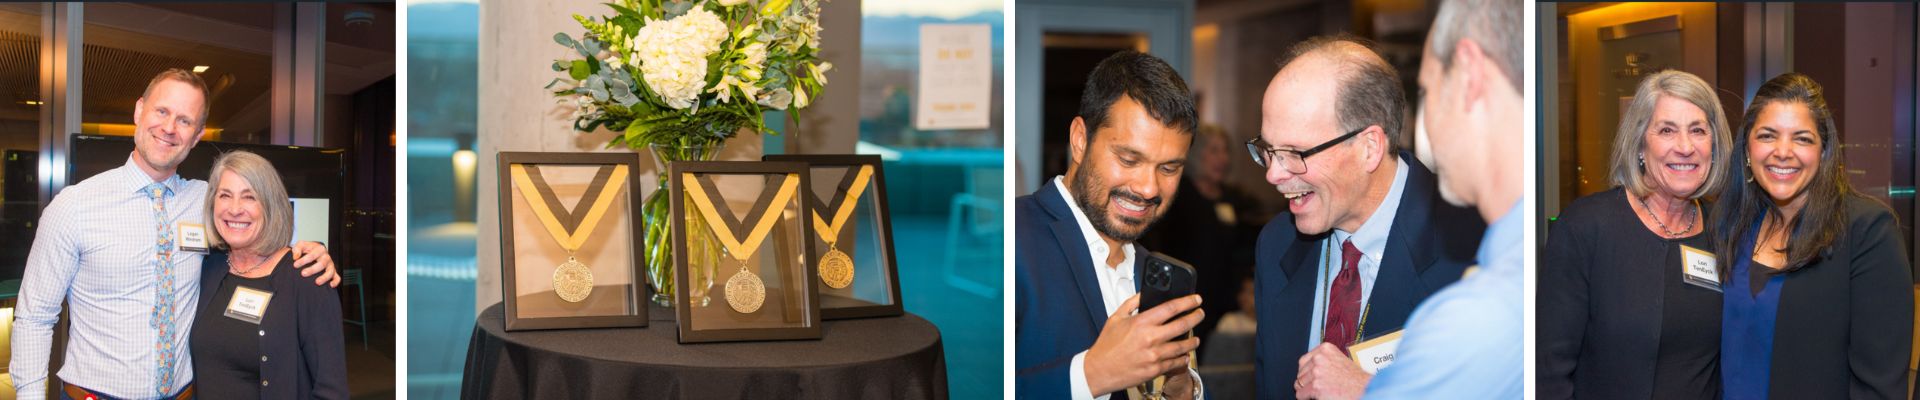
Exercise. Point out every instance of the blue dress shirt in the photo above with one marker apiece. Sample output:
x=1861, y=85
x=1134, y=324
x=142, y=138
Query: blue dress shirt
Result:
x=95, y=250
x=1466, y=341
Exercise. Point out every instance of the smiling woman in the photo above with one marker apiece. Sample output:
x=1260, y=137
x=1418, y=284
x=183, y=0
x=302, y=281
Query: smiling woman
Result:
x=1753, y=247
x=1609, y=256
x=248, y=205
x=252, y=286
x=1816, y=276
x=146, y=95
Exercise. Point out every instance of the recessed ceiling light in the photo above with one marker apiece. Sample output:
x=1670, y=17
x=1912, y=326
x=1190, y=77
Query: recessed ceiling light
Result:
x=199, y=69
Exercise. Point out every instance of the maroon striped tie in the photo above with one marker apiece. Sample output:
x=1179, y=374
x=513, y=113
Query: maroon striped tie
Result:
x=1343, y=300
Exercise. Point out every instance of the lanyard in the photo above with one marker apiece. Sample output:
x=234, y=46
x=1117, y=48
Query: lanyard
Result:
x=741, y=248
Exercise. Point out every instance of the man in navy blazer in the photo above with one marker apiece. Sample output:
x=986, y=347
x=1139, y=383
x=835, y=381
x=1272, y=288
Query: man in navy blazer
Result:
x=1075, y=331
x=1367, y=235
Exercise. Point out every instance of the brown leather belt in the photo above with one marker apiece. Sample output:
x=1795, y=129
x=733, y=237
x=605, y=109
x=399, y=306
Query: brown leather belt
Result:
x=80, y=393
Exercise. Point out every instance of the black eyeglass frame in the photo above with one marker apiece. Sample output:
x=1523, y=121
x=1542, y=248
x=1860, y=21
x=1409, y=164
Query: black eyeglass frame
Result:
x=1261, y=152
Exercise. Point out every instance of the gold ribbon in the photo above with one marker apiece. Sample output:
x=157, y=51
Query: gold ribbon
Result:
x=570, y=241
x=831, y=232
x=741, y=250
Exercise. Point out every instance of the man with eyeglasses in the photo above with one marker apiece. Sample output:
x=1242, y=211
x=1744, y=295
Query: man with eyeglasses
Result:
x=1367, y=235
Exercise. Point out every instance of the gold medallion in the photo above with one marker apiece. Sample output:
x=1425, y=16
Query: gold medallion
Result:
x=572, y=280
x=745, y=293
x=836, y=269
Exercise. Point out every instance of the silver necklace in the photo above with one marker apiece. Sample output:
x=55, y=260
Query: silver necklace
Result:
x=247, y=271
x=1663, y=225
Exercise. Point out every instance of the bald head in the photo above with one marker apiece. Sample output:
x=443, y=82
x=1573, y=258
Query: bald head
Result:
x=1336, y=99
x=1299, y=98
x=1365, y=90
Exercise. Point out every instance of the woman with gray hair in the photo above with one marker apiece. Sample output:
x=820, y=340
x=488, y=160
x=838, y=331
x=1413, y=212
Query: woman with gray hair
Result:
x=261, y=332
x=1620, y=314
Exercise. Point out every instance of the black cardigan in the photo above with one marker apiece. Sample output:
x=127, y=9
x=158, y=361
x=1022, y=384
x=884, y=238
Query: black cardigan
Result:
x=302, y=337
x=1602, y=308
x=1845, y=325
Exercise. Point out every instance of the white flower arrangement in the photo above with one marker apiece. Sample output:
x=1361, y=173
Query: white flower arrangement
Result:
x=671, y=71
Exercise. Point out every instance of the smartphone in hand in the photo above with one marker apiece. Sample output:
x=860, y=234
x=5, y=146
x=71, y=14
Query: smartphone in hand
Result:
x=1165, y=278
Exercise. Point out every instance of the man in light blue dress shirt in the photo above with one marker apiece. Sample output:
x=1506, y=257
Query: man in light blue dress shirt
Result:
x=111, y=248
x=1466, y=342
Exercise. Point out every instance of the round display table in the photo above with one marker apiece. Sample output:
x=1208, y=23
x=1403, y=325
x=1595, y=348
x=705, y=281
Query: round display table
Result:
x=872, y=358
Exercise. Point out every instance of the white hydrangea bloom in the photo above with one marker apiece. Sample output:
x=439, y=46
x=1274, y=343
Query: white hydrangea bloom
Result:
x=672, y=55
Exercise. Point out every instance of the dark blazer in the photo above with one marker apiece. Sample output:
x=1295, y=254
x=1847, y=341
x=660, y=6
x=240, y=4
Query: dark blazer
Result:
x=302, y=337
x=1430, y=245
x=1845, y=323
x=1058, y=310
x=1601, y=306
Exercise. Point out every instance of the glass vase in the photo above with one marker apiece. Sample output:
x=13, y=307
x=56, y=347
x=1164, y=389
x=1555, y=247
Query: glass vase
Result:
x=659, y=240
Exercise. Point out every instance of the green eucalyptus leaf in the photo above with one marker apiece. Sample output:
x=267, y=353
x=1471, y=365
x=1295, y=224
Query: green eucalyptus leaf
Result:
x=591, y=47
x=580, y=70
x=676, y=9
x=622, y=93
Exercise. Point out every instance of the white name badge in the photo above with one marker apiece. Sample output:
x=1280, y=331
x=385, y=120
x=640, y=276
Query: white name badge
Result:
x=1376, y=353
x=1699, y=267
x=249, y=304
x=192, y=237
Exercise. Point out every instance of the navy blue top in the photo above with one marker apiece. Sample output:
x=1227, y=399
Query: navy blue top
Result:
x=1746, y=327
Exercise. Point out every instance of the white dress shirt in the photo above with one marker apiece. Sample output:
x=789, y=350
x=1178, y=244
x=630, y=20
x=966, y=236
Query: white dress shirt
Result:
x=1116, y=285
x=95, y=250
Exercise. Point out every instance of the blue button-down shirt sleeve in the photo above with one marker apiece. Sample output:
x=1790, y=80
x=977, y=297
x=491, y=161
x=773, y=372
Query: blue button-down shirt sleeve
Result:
x=94, y=251
x=50, y=268
x=1466, y=341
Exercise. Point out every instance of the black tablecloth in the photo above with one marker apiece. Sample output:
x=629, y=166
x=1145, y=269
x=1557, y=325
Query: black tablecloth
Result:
x=874, y=358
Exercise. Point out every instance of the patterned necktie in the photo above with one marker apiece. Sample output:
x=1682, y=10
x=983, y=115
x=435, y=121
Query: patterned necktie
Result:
x=162, y=318
x=1343, y=300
